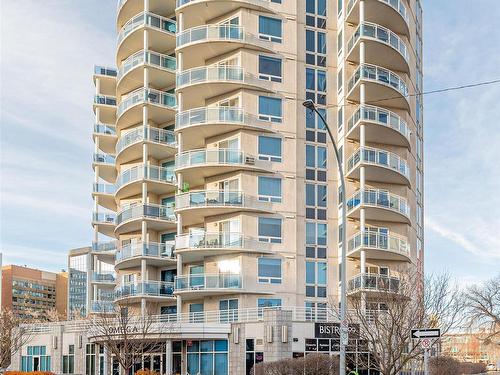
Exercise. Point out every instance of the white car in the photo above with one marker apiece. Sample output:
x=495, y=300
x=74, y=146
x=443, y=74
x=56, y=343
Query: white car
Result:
x=490, y=367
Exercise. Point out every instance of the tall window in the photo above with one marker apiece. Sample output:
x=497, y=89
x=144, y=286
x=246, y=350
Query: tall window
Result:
x=316, y=273
x=269, y=189
x=270, y=109
x=68, y=361
x=269, y=270
x=269, y=229
x=270, y=148
x=316, y=85
x=316, y=233
x=252, y=357
x=315, y=48
x=228, y=309
x=270, y=29
x=207, y=357
x=316, y=13
x=270, y=68
x=90, y=359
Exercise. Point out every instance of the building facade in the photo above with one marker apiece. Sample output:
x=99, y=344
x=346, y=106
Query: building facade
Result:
x=31, y=293
x=216, y=192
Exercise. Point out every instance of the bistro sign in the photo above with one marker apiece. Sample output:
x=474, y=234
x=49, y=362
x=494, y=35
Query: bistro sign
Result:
x=332, y=331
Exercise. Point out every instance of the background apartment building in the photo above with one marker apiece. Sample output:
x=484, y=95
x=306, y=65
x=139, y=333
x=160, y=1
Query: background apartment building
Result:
x=216, y=191
x=30, y=292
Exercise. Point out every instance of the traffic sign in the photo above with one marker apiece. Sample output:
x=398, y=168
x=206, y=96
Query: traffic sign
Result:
x=426, y=333
x=425, y=343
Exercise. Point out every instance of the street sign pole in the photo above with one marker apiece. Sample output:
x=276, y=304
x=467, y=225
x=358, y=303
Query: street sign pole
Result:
x=426, y=361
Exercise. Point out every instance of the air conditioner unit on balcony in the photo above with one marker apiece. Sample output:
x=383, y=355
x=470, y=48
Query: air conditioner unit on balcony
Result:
x=249, y=160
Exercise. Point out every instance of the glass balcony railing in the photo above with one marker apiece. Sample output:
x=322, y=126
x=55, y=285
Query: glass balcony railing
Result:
x=143, y=172
x=381, y=34
x=379, y=198
x=211, y=74
x=104, y=71
x=103, y=218
x=145, y=133
x=378, y=157
x=104, y=188
x=104, y=100
x=150, y=249
x=215, y=115
x=104, y=129
x=219, y=240
x=397, y=5
x=104, y=246
x=151, y=211
x=143, y=96
x=374, y=282
x=102, y=307
x=380, y=75
x=149, y=58
x=150, y=288
x=208, y=198
x=218, y=33
x=103, y=277
x=380, y=116
x=378, y=241
x=180, y=3
x=104, y=159
x=147, y=19
x=197, y=282
x=221, y=156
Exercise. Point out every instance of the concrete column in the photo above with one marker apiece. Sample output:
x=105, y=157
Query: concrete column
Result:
x=144, y=279
x=167, y=367
x=179, y=272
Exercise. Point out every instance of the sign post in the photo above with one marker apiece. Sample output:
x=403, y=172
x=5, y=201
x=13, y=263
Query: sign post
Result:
x=426, y=335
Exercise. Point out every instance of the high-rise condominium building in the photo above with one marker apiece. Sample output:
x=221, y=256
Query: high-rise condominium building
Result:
x=31, y=293
x=216, y=191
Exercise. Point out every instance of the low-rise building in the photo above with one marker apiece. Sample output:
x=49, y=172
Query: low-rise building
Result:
x=471, y=347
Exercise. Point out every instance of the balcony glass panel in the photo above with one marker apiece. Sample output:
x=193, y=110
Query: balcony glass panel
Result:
x=104, y=129
x=206, y=281
x=379, y=241
x=166, y=137
x=147, y=57
x=379, y=198
x=380, y=75
x=161, y=98
x=151, y=249
x=382, y=117
x=378, y=157
x=151, y=211
x=141, y=172
x=147, y=19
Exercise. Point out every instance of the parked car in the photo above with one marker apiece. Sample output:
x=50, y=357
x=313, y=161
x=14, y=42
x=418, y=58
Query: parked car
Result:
x=491, y=367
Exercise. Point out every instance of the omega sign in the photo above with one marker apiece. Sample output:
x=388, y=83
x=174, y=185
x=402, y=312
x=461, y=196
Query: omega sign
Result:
x=332, y=330
x=119, y=330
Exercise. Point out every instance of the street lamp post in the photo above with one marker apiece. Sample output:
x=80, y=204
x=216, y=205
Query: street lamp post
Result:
x=309, y=104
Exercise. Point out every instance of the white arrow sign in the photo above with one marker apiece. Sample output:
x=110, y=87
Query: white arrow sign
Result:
x=425, y=333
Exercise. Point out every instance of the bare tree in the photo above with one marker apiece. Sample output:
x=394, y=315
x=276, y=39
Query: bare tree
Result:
x=12, y=336
x=403, y=305
x=483, y=304
x=312, y=364
x=127, y=335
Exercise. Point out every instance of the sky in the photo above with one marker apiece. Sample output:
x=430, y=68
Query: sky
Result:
x=46, y=119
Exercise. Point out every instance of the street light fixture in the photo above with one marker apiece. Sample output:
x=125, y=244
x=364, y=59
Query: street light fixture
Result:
x=309, y=104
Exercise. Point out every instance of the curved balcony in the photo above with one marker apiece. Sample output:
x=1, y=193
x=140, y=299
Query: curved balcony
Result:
x=105, y=251
x=104, y=278
x=161, y=36
x=161, y=108
x=158, y=218
x=379, y=205
x=160, y=181
x=196, y=246
x=201, y=43
x=105, y=195
x=106, y=134
x=106, y=106
x=107, y=166
x=199, y=84
x=381, y=126
x=126, y=9
x=382, y=47
x=201, y=285
x=196, y=165
x=152, y=290
x=198, y=12
x=161, y=143
x=378, y=246
x=380, y=166
x=382, y=87
x=102, y=307
x=390, y=13
x=372, y=283
x=131, y=72
x=107, y=79
x=105, y=223
x=196, y=205
x=155, y=254
x=206, y=122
